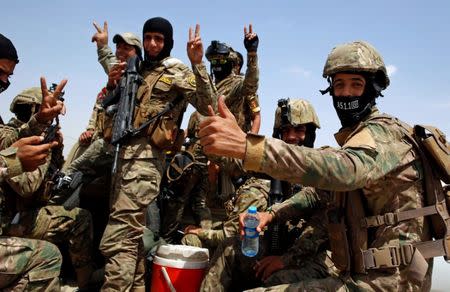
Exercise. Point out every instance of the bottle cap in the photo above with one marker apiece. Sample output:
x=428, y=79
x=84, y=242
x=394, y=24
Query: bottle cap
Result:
x=252, y=209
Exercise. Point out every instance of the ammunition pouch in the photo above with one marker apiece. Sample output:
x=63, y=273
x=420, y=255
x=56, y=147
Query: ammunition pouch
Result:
x=163, y=133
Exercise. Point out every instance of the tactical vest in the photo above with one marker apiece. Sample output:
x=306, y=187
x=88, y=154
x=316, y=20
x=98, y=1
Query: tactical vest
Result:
x=163, y=132
x=348, y=223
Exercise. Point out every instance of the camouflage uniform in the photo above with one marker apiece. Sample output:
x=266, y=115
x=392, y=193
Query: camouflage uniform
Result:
x=95, y=124
x=305, y=258
x=191, y=188
x=141, y=165
x=26, y=264
x=240, y=93
x=375, y=164
x=254, y=192
x=26, y=215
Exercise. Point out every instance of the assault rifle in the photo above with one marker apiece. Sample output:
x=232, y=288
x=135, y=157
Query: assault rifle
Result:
x=278, y=231
x=51, y=131
x=124, y=97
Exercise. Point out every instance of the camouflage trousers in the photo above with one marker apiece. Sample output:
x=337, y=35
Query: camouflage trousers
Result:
x=29, y=265
x=393, y=279
x=76, y=151
x=230, y=270
x=136, y=186
x=58, y=225
x=191, y=189
x=95, y=160
x=254, y=192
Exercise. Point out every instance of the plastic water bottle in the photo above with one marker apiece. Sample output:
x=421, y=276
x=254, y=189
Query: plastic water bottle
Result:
x=250, y=243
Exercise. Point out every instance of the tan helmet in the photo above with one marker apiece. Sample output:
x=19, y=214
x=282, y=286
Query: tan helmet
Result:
x=357, y=56
x=297, y=112
x=31, y=96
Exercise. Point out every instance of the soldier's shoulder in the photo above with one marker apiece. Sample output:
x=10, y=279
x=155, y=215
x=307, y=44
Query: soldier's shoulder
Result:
x=174, y=65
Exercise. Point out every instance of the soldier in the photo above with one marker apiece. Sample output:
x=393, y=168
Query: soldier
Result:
x=25, y=264
x=237, y=88
x=190, y=188
x=141, y=158
x=127, y=45
x=375, y=173
x=28, y=196
x=280, y=260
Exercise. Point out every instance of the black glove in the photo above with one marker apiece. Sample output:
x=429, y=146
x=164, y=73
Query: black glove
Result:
x=251, y=45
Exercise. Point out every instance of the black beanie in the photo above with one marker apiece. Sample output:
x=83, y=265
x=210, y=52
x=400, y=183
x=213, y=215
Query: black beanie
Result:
x=7, y=49
x=163, y=26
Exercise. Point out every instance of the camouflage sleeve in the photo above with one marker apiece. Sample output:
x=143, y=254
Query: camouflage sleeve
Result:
x=348, y=168
x=93, y=119
x=205, y=93
x=106, y=57
x=32, y=128
x=312, y=239
x=246, y=196
x=250, y=83
x=193, y=125
x=8, y=135
x=253, y=103
x=10, y=165
x=27, y=183
x=305, y=201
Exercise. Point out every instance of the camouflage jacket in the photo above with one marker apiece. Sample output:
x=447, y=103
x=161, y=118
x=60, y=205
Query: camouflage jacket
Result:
x=176, y=79
x=239, y=91
x=106, y=58
x=9, y=135
x=309, y=205
x=96, y=121
x=27, y=189
x=375, y=158
x=254, y=192
x=192, y=133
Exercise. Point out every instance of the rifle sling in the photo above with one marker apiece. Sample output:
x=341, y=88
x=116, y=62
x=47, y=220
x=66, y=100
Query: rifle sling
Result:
x=169, y=106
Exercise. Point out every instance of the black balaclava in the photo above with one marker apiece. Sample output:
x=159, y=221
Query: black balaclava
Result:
x=352, y=109
x=7, y=51
x=163, y=26
x=221, y=71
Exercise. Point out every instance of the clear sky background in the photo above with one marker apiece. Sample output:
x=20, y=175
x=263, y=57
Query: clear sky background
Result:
x=53, y=39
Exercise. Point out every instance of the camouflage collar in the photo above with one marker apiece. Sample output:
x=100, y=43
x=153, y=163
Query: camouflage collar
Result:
x=344, y=134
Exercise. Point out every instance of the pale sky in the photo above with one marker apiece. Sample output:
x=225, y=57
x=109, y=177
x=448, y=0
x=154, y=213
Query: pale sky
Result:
x=53, y=39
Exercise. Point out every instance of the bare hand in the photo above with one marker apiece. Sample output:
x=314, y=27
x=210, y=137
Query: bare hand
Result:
x=192, y=229
x=221, y=135
x=30, y=153
x=195, y=46
x=101, y=36
x=267, y=266
x=51, y=106
x=85, y=137
x=115, y=73
x=265, y=218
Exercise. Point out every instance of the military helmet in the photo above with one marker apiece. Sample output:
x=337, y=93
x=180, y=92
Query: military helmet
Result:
x=179, y=165
x=357, y=56
x=295, y=112
x=30, y=96
x=217, y=49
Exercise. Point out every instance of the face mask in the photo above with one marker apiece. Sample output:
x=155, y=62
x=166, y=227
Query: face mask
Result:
x=221, y=71
x=352, y=109
x=4, y=85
